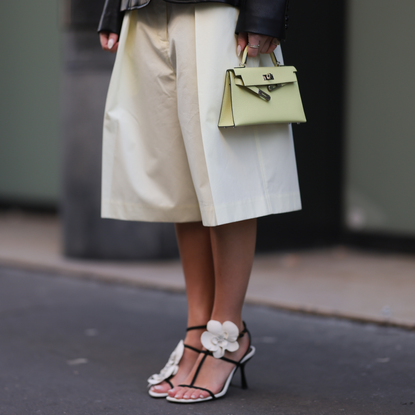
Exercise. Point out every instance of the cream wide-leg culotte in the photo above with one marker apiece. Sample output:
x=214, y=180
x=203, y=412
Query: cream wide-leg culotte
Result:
x=164, y=157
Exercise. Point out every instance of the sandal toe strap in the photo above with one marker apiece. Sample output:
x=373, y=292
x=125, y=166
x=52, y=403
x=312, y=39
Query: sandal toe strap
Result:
x=199, y=388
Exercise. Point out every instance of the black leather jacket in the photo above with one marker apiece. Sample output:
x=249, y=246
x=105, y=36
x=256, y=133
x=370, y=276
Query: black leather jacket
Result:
x=264, y=17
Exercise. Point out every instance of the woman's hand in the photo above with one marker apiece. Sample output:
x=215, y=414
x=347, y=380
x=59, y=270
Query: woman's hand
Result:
x=109, y=41
x=266, y=44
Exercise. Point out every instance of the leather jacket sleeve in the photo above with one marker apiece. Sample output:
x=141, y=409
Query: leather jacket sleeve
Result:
x=264, y=17
x=111, y=18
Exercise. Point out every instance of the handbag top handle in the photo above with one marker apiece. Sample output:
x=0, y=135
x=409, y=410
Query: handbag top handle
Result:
x=245, y=58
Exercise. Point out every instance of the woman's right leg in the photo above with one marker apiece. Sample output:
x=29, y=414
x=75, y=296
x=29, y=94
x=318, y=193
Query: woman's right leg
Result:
x=197, y=260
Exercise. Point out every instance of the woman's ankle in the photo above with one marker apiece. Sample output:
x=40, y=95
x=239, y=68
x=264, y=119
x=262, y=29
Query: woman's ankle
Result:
x=193, y=337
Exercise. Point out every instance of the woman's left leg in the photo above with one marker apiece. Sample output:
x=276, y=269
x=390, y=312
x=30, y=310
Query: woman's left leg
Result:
x=197, y=261
x=233, y=248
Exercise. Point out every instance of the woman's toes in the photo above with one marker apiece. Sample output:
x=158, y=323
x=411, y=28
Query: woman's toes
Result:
x=181, y=393
x=198, y=394
x=172, y=392
x=161, y=388
x=193, y=394
x=187, y=393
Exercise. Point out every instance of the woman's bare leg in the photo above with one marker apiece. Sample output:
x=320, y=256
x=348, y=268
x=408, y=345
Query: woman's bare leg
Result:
x=233, y=247
x=196, y=255
x=197, y=260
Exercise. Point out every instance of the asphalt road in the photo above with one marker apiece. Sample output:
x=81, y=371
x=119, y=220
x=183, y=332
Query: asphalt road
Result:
x=71, y=346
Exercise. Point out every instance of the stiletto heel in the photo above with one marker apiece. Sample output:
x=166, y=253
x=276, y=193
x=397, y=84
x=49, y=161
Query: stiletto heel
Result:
x=244, y=383
x=172, y=366
x=216, y=340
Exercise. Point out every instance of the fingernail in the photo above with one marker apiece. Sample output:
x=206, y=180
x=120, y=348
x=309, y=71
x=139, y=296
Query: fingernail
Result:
x=239, y=50
x=110, y=43
x=193, y=396
x=201, y=396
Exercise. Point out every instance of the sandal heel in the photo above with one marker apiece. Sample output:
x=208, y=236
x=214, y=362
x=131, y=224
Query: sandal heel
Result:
x=244, y=383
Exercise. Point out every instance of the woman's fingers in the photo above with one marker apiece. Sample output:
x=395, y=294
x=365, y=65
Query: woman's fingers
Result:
x=109, y=41
x=242, y=42
x=265, y=45
x=257, y=43
x=254, y=43
x=113, y=42
x=273, y=45
x=103, y=38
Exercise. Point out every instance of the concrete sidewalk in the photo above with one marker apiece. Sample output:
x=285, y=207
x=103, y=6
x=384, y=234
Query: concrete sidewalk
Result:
x=334, y=282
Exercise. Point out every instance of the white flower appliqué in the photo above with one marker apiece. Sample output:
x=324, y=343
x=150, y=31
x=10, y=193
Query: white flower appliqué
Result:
x=220, y=337
x=171, y=368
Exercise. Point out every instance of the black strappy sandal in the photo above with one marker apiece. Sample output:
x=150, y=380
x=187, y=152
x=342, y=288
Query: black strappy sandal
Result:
x=216, y=340
x=172, y=366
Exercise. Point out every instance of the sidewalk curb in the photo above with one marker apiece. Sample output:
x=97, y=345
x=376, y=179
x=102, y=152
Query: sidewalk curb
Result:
x=81, y=270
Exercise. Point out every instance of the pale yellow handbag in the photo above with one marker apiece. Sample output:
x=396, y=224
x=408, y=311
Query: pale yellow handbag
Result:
x=263, y=95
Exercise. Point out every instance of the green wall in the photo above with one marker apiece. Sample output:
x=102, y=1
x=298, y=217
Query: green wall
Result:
x=29, y=93
x=380, y=120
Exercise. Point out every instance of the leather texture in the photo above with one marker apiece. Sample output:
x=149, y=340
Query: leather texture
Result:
x=262, y=95
x=111, y=17
x=265, y=17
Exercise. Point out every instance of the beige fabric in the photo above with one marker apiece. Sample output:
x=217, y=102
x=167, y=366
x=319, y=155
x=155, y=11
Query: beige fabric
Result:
x=164, y=158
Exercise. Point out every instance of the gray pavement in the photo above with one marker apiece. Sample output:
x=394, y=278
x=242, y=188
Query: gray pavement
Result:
x=70, y=346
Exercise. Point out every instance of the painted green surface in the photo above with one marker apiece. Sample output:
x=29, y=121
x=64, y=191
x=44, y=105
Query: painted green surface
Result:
x=380, y=138
x=29, y=111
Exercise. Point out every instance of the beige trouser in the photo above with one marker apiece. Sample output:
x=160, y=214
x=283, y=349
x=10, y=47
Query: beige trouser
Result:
x=164, y=158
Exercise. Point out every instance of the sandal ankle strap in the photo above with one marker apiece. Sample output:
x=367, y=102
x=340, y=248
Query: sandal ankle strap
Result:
x=196, y=327
x=245, y=330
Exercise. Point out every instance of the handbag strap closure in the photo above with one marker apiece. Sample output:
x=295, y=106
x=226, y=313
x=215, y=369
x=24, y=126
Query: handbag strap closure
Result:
x=245, y=58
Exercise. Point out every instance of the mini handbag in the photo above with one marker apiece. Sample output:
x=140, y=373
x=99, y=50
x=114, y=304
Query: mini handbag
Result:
x=262, y=95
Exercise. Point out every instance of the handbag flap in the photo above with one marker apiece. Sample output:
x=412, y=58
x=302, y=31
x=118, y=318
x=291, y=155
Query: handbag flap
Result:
x=265, y=75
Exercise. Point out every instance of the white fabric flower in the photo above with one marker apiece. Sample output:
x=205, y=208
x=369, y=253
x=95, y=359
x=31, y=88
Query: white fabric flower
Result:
x=171, y=367
x=220, y=337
